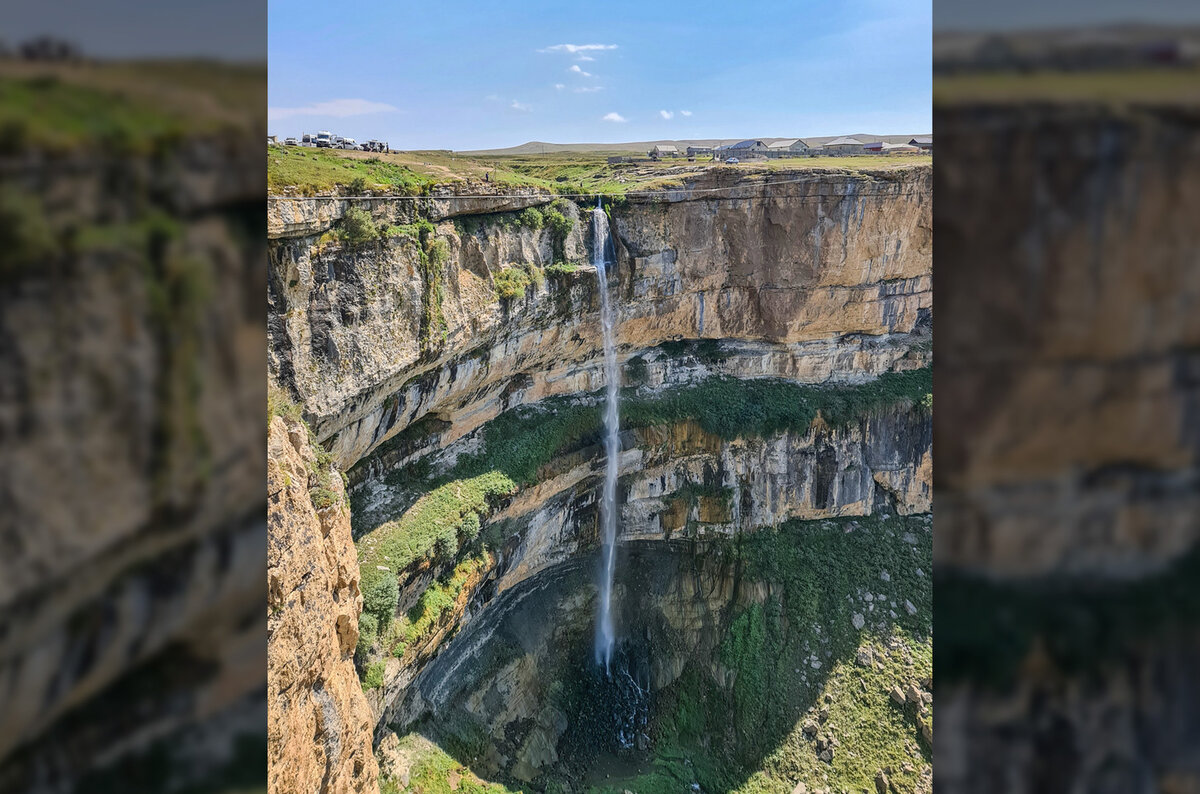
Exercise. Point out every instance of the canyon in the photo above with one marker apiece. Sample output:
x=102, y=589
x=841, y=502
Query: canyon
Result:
x=438, y=454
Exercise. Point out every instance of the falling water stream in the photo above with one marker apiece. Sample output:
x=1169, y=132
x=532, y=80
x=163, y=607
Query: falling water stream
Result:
x=605, y=632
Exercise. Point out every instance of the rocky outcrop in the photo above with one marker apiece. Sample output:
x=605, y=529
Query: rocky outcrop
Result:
x=514, y=672
x=680, y=480
x=405, y=359
x=1084, y=451
x=308, y=215
x=819, y=277
x=1067, y=514
x=319, y=724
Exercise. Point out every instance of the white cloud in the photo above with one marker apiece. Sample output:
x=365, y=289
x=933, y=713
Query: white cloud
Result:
x=666, y=114
x=521, y=106
x=559, y=86
x=686, y=112
x=338, y=108
x=614, y=117
x=584, y=58
x=586, y=89
x=577, y=48
x=575, y=68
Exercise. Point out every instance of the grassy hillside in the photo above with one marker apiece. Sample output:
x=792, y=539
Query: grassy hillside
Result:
x=309, y=171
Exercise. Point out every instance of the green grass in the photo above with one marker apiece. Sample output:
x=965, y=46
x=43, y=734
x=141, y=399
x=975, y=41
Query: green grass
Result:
x=813, y=566
x=373, y=678
x=121, y=107
x=309, y=171
x=313, y=171
x=436, y=603
x=560, y=269
x=1114, y=86
x=519, y=442
x=433, y=768
x=431, y=527
x=851, y=162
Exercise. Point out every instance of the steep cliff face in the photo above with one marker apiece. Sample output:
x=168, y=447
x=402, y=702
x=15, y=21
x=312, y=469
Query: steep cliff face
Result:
x=819, y=276
x=773, y=332
x=319, y=724
x=1068, y=543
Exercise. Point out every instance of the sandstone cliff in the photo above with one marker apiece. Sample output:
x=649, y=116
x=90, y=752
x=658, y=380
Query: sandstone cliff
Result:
x=319, y=724
x=821, y=278
x=774, y=334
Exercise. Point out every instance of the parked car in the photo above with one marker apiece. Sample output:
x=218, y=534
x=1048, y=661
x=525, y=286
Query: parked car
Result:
x=290, y=142
x=324, y=140
x=732, y=161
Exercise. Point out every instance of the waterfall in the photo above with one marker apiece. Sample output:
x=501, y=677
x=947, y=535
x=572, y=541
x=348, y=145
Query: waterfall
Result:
x=605, y=633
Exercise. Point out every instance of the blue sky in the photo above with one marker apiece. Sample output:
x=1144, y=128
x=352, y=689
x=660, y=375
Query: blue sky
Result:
x=488, y=74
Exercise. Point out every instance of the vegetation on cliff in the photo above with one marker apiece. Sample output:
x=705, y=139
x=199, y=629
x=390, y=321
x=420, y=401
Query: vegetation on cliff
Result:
x=322, y=469
x=448, y=511
x=813, y=667
x=519, y=442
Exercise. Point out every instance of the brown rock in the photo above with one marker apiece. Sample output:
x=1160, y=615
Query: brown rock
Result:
x=896, y=695
x=881, y=782
x=319, y=723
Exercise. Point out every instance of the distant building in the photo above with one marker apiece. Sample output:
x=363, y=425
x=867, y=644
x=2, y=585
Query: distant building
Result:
x=664, y=150
x=843, y=145
x=743, y=148
x=787, y=147
x=922, y=142
x=694, y=151
x=881, y=147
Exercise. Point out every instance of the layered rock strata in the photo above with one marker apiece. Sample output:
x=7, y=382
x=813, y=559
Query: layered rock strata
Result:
x=319, y=724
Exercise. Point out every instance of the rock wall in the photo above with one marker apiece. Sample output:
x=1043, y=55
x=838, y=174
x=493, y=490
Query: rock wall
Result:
x=820, y=276
x=319, y=724
x=1070, y=248
x=403, y=360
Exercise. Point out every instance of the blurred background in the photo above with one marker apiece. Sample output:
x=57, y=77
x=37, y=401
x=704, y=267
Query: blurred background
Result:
x=132, y=361
x=132, y=386
x=1067, y=590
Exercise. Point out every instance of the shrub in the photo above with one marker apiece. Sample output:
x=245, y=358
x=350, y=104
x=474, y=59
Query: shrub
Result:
x=408, y=230
x=432, y=523
x=374, y=675
x=357, y=226
x=368, y=630
x=536, y=275
x=279, y=404
x=559, y=224
x=511, y=283
x=560, y=269
x=380, y=596
x=322, y=497
x=439, y=251
x=357, y=186
x=636, y=370
x=471, y=526
x=531, y=217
